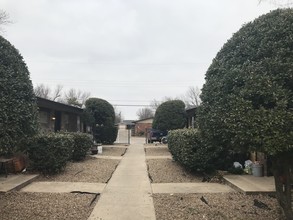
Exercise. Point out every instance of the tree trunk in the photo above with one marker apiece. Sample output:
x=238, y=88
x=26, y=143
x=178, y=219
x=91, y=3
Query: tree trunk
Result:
x=282, y=169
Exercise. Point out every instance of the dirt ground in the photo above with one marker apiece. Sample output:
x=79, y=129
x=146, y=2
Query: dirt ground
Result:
x=169, y=171
x=220, y=206
x=158, y=151
x=89, y=170
x=46, y=206
x=27, y=206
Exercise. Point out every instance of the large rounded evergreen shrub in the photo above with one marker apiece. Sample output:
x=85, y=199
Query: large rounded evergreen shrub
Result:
x=18, y=109
x=247, y=99
x=100, y=115
x=170, y=115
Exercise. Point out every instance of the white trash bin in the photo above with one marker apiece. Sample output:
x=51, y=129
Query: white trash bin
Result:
x=100, y=149
x=257, y=170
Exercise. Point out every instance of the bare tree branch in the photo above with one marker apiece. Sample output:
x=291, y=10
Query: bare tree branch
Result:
x=155, y=103
x=193, y=96
x=4, y=19
x=42, y=91
x=144, y=113
x=118, y=116
x=76, y=97
x=57, y=92
x=280, y=3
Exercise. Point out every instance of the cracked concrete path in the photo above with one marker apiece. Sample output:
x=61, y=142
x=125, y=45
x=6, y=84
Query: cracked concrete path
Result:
x=191, y=188
x=64, y=187
x=128, y=194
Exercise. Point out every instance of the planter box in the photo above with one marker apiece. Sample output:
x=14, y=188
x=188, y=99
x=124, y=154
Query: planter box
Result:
x=19, y=163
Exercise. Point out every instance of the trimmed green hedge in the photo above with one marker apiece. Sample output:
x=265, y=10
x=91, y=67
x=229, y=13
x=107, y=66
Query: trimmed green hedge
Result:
x=106, y=134
x=49, y=153
x=100, y=115
x=170, y=115
x=82, y=143
x=188, y=148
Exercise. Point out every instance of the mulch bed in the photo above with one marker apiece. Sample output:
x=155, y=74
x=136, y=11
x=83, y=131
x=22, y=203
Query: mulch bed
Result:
x=113, y=151
x=219, y=206
x=157, y=151
x=89, y=170
x=27, y=206
x=169, y=171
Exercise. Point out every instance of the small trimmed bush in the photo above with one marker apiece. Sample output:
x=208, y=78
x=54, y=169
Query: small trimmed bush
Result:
x=49, y=153
x=105, y=135
x=82, y=143
x=187, y=147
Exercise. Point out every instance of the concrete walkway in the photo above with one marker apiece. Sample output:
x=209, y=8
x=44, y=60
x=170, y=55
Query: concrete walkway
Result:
x=15, y=181
x=249, y=184
x=128, y=193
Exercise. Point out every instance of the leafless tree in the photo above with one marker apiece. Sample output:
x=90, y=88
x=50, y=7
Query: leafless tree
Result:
x=155, y=103
x=4, y=19
x=57, y=92
x=71, y=97
x=144, y=113
x=192, y=96
x=76, y=97
x=118, y=116
x=42, y=91
x=280, y=3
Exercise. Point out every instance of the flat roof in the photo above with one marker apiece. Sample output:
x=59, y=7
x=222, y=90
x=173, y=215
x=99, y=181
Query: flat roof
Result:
x=58, y=106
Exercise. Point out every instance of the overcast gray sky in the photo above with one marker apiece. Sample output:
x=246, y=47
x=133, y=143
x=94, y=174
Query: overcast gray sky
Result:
x=124, y=51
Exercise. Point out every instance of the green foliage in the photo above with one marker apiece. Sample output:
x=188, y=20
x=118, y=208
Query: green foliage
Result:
x=106, y=134
x=170, y=115
x=100, y=115
x=49, y=153
x=18, y=110
x=100, y=111
x=247, y=99
x=188, y=148
x=236, y=170
x=82, y=143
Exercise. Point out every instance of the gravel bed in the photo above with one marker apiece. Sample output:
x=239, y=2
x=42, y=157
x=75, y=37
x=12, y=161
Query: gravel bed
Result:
x=157, y=151
x=113, y=151
x=89, y=170
x=27, y=206
x=220, y=206
x=169, y=171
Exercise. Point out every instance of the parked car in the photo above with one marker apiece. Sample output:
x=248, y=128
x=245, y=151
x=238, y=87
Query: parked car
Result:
x=155, y=135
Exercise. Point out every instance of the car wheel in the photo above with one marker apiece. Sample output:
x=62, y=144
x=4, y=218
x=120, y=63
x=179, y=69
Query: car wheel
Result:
x=164, y=140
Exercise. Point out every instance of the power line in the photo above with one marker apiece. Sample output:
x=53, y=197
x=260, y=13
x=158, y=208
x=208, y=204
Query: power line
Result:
x=117, y=63
x=130, y=105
